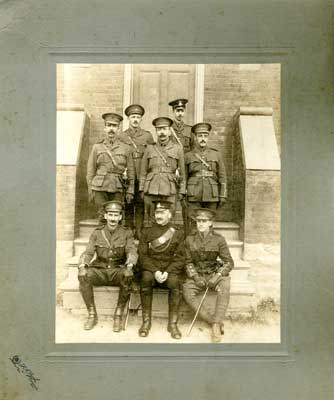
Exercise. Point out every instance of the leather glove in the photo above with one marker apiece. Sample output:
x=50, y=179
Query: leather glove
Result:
x=214, y=280
x=129, y=198
x=160, y=276
x=128, y=275
x=82, y=273
x=222, y=201
x=199, y=281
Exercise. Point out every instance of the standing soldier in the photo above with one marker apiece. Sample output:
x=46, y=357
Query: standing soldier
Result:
x=137, y=138
x=208, y=264
x=162, y=258
x=110, y=167
x=181, y=129
x=108, y=261
x=160, y=162
x=205, y=173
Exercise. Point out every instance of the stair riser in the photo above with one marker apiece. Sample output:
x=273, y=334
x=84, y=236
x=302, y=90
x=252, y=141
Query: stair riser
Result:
x=106, y=303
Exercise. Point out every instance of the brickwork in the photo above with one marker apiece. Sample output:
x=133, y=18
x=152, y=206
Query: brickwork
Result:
x=262, y=207
x=228, y=87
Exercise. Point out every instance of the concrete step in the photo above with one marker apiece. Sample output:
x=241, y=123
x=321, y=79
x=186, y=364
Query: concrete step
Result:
x=235, y=246
x=229, y=230
x=241, y=300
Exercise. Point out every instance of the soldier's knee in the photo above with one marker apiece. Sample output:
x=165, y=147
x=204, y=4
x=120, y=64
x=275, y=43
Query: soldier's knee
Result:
x=224, y=285
x=173, y=282
x=147, y=278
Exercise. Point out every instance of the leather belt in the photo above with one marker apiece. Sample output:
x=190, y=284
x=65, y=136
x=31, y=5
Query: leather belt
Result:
x=204, y=174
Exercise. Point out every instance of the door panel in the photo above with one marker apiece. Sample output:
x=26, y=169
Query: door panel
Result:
x=154, y=86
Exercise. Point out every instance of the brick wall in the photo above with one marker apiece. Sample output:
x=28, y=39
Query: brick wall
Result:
x=98, y=87
x=226, y=88
x=262, y=207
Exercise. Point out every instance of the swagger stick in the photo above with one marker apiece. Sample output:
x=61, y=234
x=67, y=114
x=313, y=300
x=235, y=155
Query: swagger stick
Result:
x=199, y=307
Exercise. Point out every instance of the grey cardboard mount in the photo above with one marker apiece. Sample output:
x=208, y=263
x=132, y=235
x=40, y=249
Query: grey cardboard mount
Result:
x=36, y=35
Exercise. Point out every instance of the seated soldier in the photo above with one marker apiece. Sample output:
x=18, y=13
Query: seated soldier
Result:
x=108, y=261
x=208, y=264
x=161, y=256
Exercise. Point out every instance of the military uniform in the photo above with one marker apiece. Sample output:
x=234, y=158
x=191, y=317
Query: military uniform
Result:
x=158, y=174
x=137, y=140
x=205, y=175
x=183, y=132
x=109, y=166
x=208, y=259
x=161, y=249
x=104, y=264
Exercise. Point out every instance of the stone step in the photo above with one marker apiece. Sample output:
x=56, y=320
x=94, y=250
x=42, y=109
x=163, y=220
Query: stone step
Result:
x=241, y=300
x=229, y=230
x=235, y=246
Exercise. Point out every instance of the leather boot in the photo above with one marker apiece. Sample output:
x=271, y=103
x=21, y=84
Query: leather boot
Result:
x=174, y=298
x=216, y=333
x=87, y=293
x=118, y=320
x=172, y=327
x=123, y=297
x=91, y=319
x=146, y=302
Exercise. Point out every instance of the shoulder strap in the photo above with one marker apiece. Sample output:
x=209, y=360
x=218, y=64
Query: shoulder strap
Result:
x=110, y=155
x=105, y=238
x=159, y=243
x=203, y=161
x=161, y=156
x=133, y=143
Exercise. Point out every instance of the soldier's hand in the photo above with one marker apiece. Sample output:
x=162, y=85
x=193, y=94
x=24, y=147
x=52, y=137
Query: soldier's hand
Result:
x=129, y=198
x=141, y=194
x=222, y=201
x=199, y=281
x=214, y=280
x=158, y=276
x=82, y=273
x=164, y=276
x=128, y=275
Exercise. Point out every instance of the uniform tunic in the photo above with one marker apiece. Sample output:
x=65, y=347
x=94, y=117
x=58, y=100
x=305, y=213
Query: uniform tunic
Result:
x=205, y=184
x=183, y=132
x=138, y=141
x=157, y=176
x=122, y=251
x=103, y=175
x=169, y=257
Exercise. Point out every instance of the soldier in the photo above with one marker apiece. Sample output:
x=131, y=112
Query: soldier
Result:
x=137, y=139
x=110, y=167
x=205, y=173
x=182, y=130
x=108, y=261
x=162, y=258
x=160, y=164
x=208, y=264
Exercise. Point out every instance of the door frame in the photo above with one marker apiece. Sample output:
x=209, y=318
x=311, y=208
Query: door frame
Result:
x=199, y=91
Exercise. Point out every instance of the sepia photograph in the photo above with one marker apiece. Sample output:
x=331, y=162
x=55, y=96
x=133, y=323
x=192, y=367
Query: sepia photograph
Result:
x=168, y=203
